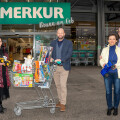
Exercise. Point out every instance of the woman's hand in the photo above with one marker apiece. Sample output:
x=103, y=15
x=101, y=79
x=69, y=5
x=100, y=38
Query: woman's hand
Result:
x=2, y=63
x=113, y=67
x=103, y=65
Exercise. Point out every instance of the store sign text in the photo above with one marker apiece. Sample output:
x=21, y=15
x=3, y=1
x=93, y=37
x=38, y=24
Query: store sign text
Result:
x=51, y=24
x=33, y=12
x=22, y=12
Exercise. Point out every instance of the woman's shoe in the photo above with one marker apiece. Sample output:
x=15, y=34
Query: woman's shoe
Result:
x=112, y=108
x=1, y=109
x=4, y=109
x=109, y=112
x=115, y=111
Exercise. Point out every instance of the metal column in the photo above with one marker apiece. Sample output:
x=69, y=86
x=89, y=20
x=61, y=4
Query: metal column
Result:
x=34, y=42
x=0, y=27
x=100, y=27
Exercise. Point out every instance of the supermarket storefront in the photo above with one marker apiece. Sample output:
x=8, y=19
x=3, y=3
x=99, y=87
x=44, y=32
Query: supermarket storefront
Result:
x=24, y=24
x=83, y=25
x=30, y=24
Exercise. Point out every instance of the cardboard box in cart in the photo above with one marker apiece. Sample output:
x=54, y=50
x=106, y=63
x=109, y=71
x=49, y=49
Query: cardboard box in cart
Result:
x=22, y=80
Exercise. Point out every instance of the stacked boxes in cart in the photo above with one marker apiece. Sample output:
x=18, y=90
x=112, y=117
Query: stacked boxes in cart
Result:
x=22, y=73
x=42, y=74
x=42, y=69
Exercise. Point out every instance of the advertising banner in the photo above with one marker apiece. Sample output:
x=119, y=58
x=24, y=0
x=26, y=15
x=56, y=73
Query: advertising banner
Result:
x=34, y=12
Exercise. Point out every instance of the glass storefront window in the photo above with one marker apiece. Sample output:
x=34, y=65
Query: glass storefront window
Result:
x=83, y=31
x=83, y=36
x=112, y=19
x=111, y=27
x=86, y=37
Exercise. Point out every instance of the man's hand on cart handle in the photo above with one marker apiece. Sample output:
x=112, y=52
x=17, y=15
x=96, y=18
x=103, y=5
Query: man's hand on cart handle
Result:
x=58, y=60
x=52, y=60
x=2, y=63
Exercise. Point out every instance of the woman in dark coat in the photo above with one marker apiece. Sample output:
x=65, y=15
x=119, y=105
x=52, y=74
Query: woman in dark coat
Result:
x=4, y=78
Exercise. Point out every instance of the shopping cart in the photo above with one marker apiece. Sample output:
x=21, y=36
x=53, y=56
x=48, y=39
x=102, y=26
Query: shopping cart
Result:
x=44, y=100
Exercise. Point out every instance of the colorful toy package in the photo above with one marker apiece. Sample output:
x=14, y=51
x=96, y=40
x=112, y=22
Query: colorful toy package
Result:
x=16, y=79
x=37, y=71
x=46, y=71
x=23, y=68
x=45, y=53
x=16, y=67
x=42, y=72
x=22, y=80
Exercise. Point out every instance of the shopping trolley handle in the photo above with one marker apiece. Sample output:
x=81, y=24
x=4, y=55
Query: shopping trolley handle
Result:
x=56, y=63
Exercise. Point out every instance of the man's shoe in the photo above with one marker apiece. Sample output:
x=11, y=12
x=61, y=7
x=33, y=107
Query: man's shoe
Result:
x=62, y=108
x=58, y=105
x=115, y=111
x=109, y=112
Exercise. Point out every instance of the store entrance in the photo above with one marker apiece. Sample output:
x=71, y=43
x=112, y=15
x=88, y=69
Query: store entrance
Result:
x=19, y=46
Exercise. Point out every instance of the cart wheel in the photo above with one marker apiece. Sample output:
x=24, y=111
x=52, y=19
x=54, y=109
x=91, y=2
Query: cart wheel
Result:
x=45, y=104
x=52, y=110
x=17, y=110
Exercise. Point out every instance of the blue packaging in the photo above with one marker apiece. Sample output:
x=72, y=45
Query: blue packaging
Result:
x=106, y=68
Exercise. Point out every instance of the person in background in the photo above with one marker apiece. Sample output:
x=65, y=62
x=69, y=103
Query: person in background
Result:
x=112, y=53
x=62, y=52
x=119, y=37
x=4, y=78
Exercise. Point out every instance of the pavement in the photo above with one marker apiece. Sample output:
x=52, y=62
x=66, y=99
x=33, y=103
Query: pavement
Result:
x=86, y=99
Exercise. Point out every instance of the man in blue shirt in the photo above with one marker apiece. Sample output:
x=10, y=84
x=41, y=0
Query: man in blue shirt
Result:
x=62, y=52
